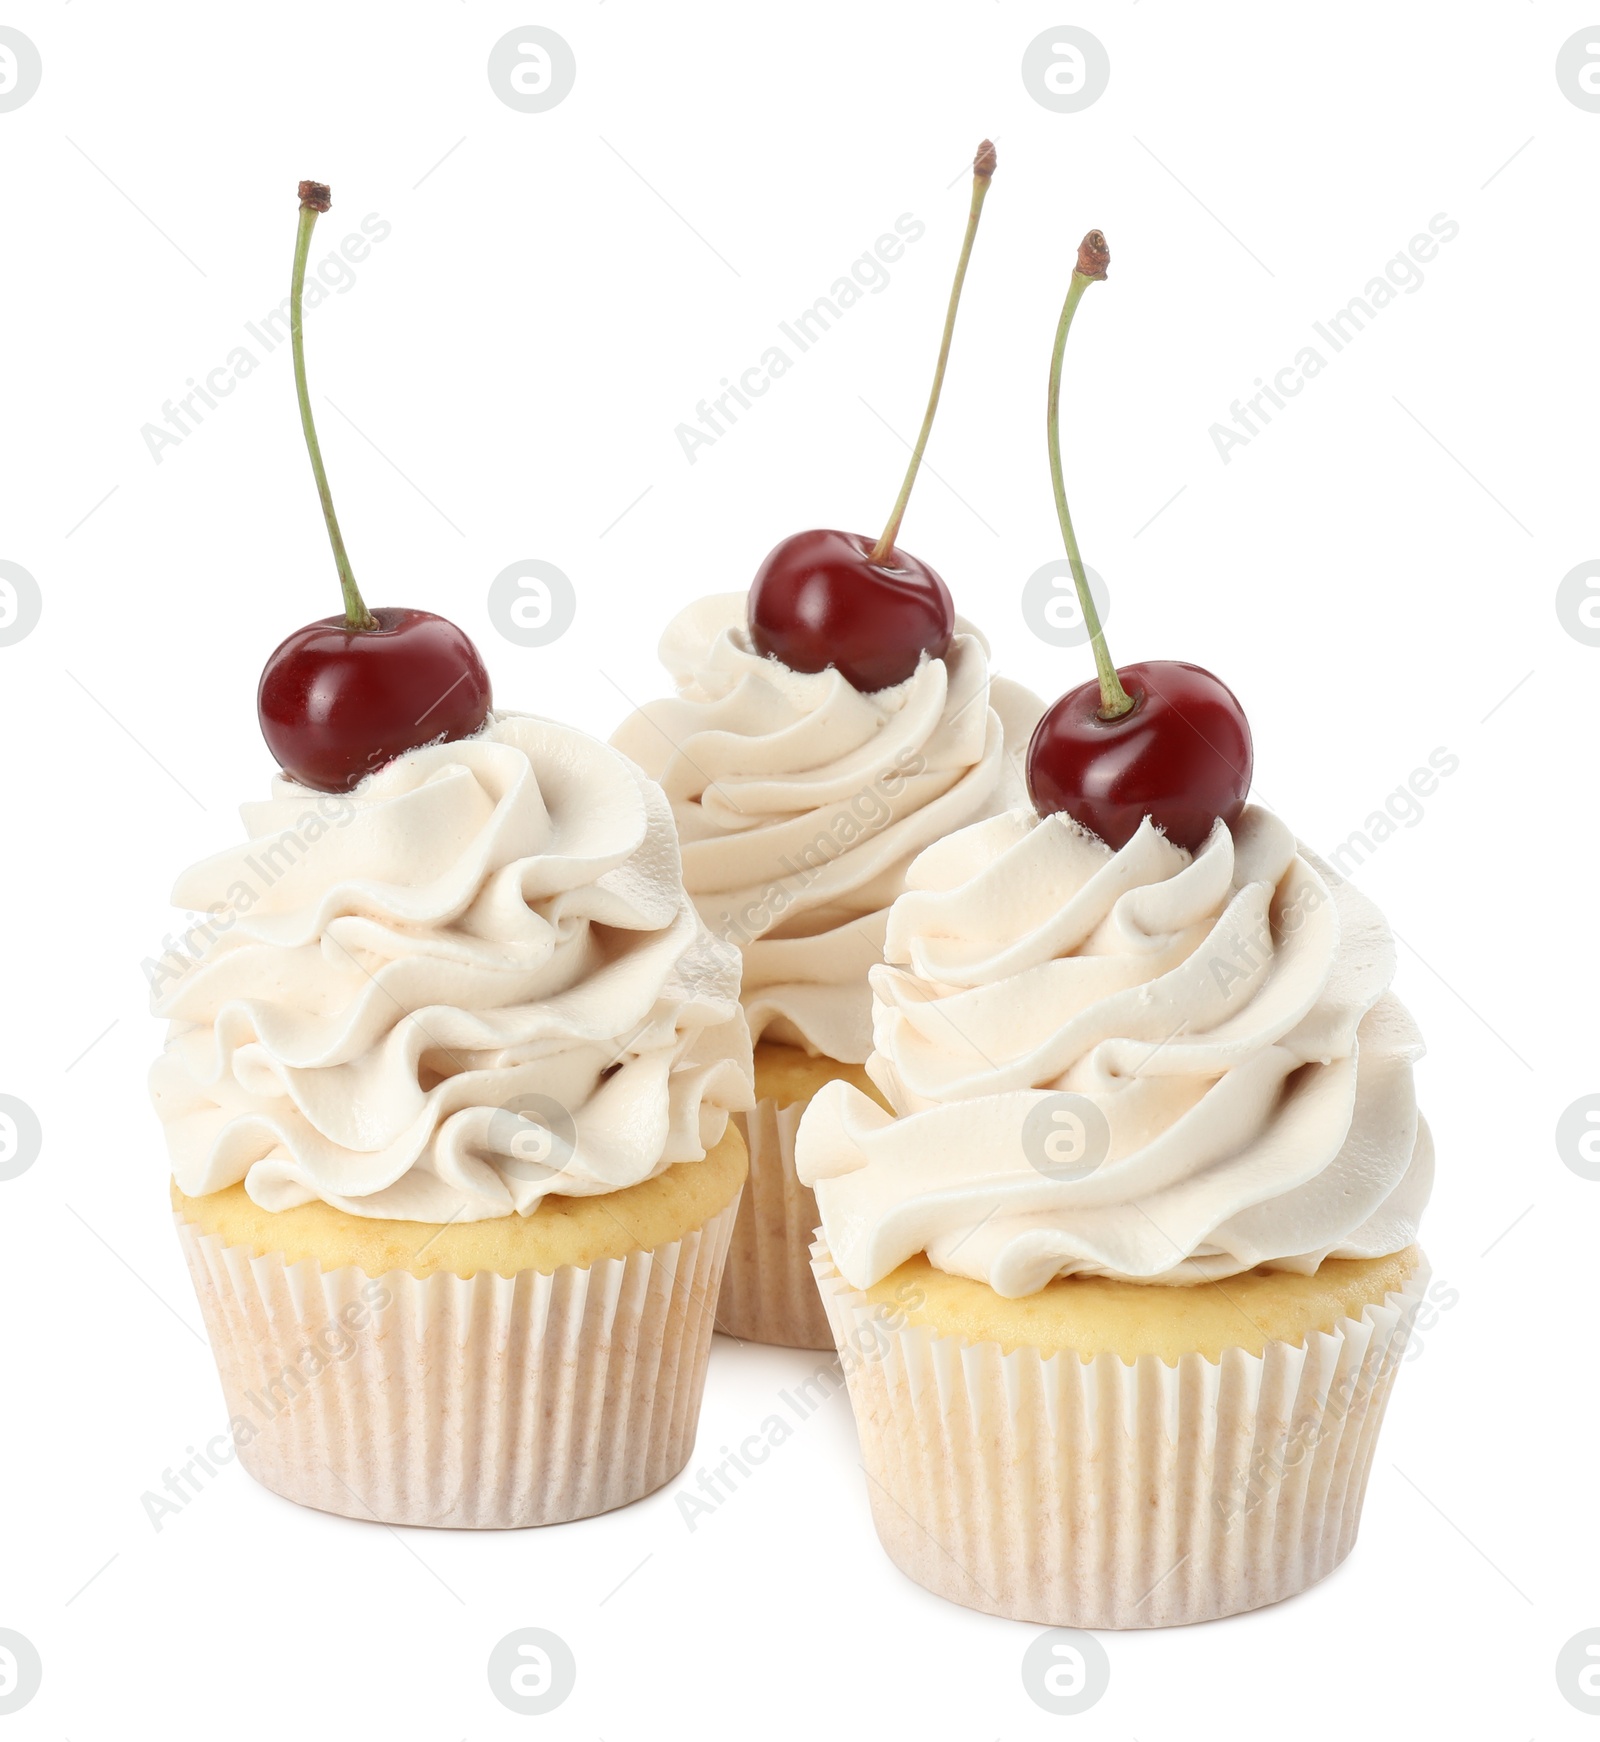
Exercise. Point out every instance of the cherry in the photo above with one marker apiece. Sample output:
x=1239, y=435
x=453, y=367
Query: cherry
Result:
x=822, y=598
x=1162, y=739
x=337, y=703
x=343, y=696
x=1180, y=755
x=840, y=599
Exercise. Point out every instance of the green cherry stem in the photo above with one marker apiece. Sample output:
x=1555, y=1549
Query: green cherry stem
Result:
x=1093, y=259
x=983, y=167
x=315, y=198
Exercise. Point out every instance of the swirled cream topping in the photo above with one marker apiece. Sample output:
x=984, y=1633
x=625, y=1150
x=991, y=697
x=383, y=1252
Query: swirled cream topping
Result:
x=801, y=802
x=473, y=981
x=1138, y=1064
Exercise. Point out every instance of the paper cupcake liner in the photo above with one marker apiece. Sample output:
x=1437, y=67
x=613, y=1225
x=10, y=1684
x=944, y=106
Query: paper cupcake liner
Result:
x=768, y=1292
x=486, y=1402
x=1099, y=1494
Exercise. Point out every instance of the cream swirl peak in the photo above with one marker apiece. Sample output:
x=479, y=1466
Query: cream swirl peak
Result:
x=473, y=981
x=1225, y=1015
x=801, y=802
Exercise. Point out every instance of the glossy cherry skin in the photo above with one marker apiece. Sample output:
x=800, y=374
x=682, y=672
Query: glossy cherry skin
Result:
x=818, y=601
x=1182, y=756
x=337, y=703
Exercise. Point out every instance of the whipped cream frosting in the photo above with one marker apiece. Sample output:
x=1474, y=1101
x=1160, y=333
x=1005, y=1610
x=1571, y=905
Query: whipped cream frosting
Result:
x=1226, y=1015
x=801, y=802
x=472, y=981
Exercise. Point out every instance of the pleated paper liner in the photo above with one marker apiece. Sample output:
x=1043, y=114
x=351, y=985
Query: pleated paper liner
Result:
x=487, y=1402
x=1099, y=1494
x=769, y=1294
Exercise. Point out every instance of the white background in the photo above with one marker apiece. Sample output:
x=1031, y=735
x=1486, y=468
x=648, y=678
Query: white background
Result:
x=1374, y=574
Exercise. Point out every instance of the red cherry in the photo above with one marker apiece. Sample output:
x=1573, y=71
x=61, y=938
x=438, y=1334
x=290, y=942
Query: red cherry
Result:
x=336, y=703
x=343, y=696
x=1181, y=756
x=1163, y=739
x=866, y=608
x=819, y=600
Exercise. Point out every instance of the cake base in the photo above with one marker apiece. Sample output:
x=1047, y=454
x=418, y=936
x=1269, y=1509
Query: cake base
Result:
x=1099, y=1492
x=415, y=1394
x=768, y=1292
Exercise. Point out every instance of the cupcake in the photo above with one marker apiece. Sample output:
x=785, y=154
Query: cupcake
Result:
x=800, y=802
x=447, y=1099
x=447, y=1090
x=827, y=726
x=1122, y=1256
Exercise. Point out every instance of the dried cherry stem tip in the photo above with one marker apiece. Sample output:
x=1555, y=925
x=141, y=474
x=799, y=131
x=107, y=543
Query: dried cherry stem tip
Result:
x=983, y=168
x=1094, y=256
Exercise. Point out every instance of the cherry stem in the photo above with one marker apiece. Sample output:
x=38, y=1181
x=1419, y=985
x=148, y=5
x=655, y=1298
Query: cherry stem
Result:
x=314, y=199
x=983, y=167
x=1093, y=259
